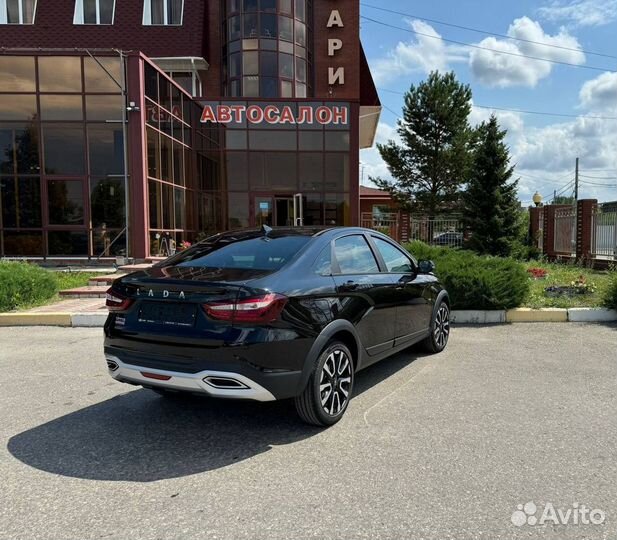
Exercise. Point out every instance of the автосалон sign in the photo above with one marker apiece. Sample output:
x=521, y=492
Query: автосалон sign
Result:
x=274, y=114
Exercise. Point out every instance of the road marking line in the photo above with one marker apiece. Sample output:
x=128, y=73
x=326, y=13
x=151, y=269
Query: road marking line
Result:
x=366, y=413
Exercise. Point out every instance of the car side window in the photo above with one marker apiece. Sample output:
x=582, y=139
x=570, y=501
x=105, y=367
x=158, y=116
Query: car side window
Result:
x=396, y=261
x=323, y=264
x=354, y=256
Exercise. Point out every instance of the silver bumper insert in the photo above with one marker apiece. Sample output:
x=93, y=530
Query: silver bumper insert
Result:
x=221, y=384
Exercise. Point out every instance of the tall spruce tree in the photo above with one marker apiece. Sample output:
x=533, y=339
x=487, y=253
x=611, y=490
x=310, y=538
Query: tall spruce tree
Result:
x=433, y=160
x=491, y=209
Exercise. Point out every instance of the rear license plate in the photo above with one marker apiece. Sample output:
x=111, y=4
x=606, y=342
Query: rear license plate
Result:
x=169, y=314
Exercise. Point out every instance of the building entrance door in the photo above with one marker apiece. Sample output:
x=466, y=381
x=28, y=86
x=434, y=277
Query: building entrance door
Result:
x=284, y=212
x=279, y=211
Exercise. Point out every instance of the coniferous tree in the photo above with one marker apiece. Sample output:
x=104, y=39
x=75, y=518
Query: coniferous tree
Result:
x=433, y=160
x=491, y=210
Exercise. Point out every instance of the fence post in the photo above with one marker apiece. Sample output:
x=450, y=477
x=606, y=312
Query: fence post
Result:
x=534, y=225
x=404, y=227
x=585, y=211
x=549, y=230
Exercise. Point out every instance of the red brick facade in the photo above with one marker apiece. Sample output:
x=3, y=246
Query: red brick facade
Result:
x=54, y=29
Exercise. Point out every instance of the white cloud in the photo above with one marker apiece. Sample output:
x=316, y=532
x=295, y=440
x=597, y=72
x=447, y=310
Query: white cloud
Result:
x=422, y=54
x=510, y=121
x=503, y=70
x=600, y=93
x=581, y=12
x=370, y=159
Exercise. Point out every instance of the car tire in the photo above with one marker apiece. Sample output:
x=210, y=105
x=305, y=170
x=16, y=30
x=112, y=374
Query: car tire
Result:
x=437, y=340
x=333, y=368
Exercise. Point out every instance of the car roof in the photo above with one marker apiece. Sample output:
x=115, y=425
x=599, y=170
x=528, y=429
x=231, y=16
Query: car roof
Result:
x=278, y=232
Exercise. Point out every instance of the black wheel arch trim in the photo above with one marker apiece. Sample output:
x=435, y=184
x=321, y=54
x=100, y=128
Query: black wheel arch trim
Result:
x=442, y=296
x=320, y=343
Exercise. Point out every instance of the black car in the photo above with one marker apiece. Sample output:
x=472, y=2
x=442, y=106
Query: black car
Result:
x=274, y=314
x=449, y=239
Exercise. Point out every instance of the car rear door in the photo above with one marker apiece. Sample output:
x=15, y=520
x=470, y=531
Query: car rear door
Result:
x=366, y=296
x=413, y=309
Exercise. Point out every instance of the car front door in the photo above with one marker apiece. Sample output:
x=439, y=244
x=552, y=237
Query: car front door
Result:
x=365, y=295
x=413, y=311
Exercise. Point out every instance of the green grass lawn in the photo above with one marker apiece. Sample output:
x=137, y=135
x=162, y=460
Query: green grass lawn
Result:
x=564, y=275
x=72, y=280
x=64, y=280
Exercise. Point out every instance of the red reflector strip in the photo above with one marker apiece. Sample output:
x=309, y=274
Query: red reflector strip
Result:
x=155, y=376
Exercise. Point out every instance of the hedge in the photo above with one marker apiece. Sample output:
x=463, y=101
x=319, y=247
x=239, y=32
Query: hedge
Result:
x=23, y=284
x=609, y=298
x=476, y=282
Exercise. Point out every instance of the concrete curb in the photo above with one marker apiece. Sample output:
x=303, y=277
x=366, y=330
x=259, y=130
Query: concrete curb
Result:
x=519, y=315
x=35, y=319
x=527, y=315
x=592, y=315
x=88, y=320
x=477, y=316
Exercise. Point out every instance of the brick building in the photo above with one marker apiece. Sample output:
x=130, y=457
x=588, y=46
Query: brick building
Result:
x=105, y=145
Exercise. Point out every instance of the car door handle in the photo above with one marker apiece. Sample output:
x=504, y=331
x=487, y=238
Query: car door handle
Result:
x=349, y=286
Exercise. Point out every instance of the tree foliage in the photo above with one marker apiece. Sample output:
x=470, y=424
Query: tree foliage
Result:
x=562, y=199
x=491, y=210
x=433, y=160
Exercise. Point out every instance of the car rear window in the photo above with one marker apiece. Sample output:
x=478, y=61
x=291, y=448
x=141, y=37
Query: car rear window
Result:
x=268, y=254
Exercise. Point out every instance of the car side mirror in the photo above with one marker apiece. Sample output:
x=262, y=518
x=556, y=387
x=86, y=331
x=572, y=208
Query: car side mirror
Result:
x=426, y=267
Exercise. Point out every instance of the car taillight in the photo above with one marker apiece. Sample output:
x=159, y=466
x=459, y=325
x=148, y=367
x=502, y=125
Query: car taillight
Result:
x=117, y=302
x=259, y=309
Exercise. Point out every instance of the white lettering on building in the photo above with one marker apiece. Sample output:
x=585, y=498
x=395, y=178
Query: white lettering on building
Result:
x=336, y=75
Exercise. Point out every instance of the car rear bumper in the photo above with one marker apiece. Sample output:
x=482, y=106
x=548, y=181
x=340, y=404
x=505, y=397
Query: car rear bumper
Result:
x=230, y=384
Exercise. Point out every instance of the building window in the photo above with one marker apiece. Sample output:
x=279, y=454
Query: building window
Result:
x=163, y=12
x=271, y=38
x=94, y=12
x=17, y=11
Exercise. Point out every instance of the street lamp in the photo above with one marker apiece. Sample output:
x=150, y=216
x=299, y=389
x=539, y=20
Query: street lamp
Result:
x=537, y=199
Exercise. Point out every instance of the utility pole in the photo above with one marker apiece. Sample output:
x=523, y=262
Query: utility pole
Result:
x=576, y=182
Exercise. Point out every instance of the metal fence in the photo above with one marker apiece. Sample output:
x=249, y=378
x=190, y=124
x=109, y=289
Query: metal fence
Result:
x=565, y=231
x=604, y=232
x=383, y=222
x=447, y=232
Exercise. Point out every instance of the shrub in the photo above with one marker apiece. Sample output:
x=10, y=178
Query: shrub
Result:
x=609, y=298
x=476, y=282
x=23, y=284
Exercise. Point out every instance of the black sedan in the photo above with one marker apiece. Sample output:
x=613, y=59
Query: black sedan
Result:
x=274, y=314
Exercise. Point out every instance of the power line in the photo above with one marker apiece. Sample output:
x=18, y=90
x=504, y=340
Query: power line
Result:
x=543, y=113
x=546, y=180
x=486, y=32
x=424, y=34
x=520, y=111
x=599, y=177
x=390, y=110
x=569, y=185
x=597, y=184
x=555, y=180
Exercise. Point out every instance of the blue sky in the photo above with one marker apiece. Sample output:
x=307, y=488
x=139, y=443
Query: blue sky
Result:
x=544, y=148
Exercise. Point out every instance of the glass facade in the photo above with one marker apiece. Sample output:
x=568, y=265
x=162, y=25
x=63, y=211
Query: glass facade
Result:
x=266, y=166
x=61, y=156
x=183, y=169
x=268, y=51
x=281, y=162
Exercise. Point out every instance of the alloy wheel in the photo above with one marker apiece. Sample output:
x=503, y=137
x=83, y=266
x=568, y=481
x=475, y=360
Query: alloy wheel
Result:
x=441, y=331
x=335, y=382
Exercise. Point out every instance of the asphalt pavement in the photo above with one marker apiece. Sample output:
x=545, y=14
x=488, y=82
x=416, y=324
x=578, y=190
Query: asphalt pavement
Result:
x=510, y=433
